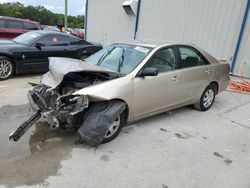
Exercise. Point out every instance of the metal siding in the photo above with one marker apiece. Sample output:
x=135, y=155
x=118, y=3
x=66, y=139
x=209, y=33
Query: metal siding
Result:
x=244, y=53
x=211, y=24
x=108, y=22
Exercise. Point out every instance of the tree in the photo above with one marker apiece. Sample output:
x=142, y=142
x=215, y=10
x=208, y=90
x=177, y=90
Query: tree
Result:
x=39, y=14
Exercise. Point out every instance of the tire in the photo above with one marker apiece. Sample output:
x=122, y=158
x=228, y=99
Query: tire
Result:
x=6, y=68
x=109, y=138
x=207, y=98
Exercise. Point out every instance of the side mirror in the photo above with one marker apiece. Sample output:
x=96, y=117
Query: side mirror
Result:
x=148, y=72
x=39, y=45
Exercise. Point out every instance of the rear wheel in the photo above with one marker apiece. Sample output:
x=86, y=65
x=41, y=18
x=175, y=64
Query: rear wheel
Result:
x=207, y=98
x=114, y=129
x=6, y=68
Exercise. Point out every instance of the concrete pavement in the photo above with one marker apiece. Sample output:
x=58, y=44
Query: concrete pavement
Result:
x=181, y=148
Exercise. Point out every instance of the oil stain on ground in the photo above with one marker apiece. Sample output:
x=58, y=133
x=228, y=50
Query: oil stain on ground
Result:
x=183, y=135
x=227, y=161
x=33, y=159
x=104, y=157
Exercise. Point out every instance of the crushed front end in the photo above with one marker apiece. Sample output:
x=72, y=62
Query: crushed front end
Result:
x=55, y=100
x=59, y=110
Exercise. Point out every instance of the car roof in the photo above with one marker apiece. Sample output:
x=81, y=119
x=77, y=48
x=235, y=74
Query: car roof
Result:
x=18, y=19
x=44, y=32
x=153, y=43
x=147, y=42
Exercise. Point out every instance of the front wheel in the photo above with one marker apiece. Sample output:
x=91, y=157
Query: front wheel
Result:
x=114, y=129
x=6, y=68
x=207, y=99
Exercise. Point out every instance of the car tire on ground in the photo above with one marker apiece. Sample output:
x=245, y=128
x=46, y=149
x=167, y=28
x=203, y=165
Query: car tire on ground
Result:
x=207, y=98
x=6, y=68
x=115, y=128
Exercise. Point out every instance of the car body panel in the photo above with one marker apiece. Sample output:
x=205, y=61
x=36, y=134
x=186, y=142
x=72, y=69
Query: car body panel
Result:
x=193, y=80
x=7, y=32
x=29, y=59
x=149, y=95
x=155, y=93
x=57, y=72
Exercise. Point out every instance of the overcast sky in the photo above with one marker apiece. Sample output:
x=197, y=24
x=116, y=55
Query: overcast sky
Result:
x=75, y=7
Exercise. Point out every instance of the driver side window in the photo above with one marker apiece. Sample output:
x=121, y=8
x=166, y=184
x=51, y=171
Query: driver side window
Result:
x=54, y=40
x=163, y=60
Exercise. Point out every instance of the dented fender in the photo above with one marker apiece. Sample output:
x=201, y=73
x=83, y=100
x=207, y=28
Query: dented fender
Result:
x=120, y=88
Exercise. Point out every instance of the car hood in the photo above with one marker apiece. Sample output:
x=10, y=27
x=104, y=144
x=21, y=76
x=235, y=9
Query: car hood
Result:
x=4, y=42
x=59, y=67
x=6, y=46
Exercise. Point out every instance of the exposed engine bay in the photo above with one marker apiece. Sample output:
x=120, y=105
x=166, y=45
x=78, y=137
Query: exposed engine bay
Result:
x=58, y=106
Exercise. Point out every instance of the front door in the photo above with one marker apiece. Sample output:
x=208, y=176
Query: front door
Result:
x=153, y=94
x=53, y=46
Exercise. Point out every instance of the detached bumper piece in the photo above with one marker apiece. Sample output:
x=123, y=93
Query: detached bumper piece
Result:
x=97, y=121
x=22, y=129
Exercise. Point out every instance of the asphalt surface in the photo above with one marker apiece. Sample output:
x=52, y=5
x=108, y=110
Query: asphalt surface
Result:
x=181, y=148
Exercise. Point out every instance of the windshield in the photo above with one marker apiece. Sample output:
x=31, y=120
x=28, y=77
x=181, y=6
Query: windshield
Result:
x=27, y=38
x=119, y=58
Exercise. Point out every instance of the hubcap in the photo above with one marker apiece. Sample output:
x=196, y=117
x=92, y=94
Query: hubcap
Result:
x=208, y=98
x=5, y=69
x=113, y=128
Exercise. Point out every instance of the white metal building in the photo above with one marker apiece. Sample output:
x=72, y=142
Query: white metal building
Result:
x=221, y=27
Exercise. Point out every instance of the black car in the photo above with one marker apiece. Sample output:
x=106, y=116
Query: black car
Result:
x=29, y=52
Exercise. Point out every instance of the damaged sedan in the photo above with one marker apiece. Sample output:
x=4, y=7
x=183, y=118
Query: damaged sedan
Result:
x=123, y=83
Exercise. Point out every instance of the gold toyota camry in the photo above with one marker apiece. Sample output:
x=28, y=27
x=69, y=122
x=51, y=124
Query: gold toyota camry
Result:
x=122, y=83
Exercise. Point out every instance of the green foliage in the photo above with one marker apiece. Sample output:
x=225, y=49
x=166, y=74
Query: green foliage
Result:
x=39, y=14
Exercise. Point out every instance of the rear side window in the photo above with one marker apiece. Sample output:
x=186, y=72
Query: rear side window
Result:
x=2, y=24
x=14, y=24
x=191, y=57
x=74, y=40
x=29, y=26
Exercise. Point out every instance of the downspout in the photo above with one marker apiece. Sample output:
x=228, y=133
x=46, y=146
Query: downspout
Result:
x=243, y=25
x=86, y=19
x=137, y=18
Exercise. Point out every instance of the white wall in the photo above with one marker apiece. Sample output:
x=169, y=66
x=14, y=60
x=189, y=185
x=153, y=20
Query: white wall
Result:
x=108, y=22
x=211, y=24
x=244, y=52
x=214, y=25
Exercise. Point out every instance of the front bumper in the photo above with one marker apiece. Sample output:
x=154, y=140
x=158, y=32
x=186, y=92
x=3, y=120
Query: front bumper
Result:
x=63, y=111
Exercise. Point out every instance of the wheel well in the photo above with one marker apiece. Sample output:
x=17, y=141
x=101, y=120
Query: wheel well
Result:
x=126, y=112
x=216, y=86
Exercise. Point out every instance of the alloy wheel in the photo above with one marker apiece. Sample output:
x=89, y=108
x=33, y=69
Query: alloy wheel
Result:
x=6, y=69
x=113, y=128
x=208, y=98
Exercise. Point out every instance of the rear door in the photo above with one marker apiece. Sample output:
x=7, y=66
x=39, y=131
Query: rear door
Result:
x=195, y=73
x=153, y=94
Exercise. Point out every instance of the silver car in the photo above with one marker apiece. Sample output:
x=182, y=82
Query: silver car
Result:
x=147, y=77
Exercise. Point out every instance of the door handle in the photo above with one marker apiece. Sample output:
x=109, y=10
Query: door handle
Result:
x=208, y=71
x=175, y=78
